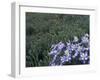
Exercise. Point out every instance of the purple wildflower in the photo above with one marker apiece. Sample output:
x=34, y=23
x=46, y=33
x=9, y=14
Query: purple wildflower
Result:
x=84, y=57
x=75, y=50
x=65, y=58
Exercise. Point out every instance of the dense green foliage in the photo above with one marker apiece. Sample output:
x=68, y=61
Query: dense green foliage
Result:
x=43, y=30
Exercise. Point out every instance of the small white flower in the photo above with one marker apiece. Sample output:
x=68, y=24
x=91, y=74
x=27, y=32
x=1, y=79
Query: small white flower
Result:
x=79, y=48
x=75, y=39
x=87, y=35
x=66, y=52
x=85, y=39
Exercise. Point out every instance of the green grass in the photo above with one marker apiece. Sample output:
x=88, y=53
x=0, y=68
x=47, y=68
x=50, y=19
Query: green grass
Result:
x=43, y=30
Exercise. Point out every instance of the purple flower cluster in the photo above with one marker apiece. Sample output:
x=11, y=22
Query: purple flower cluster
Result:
x=71, y=53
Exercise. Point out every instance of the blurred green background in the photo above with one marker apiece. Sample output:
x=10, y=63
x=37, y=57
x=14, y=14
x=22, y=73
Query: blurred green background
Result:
x=45, y=29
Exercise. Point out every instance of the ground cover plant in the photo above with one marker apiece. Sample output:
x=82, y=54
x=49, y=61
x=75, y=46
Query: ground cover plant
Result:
x=57, y=39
